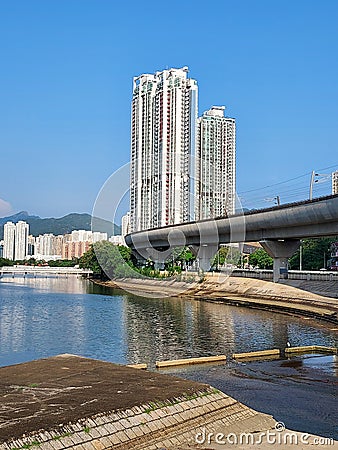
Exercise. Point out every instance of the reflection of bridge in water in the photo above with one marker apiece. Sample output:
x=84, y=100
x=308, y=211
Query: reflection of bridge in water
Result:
x=42, y=271
x=279, y=230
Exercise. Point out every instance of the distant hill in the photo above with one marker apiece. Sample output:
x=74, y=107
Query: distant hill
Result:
x=62, y=225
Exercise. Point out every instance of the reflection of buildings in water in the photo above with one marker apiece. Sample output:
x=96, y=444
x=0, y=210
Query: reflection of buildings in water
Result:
x=154, y=328
x=177, y=328
x=12, y=327
x=213, y=328
x=53, y=283
x=173, y=328
x=257, y=330
x=33, y=321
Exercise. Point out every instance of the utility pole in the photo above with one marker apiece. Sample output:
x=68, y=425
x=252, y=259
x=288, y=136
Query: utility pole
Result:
x=312, y=180
x=321, y=178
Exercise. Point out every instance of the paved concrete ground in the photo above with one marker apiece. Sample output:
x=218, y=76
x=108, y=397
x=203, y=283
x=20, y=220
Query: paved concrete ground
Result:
x=47, y=392
x=69, y=402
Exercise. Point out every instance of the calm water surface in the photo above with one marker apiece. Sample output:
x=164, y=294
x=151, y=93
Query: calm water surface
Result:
x=41, y=317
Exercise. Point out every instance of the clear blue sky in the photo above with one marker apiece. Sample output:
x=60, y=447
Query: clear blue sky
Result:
x=66, y=78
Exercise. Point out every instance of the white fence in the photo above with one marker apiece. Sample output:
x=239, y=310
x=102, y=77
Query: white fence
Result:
x=265, y=274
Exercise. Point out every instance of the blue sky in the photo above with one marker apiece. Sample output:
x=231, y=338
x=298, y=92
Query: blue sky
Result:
x=66, y=78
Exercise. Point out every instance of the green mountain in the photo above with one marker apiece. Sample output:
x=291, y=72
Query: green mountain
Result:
x=62, y=225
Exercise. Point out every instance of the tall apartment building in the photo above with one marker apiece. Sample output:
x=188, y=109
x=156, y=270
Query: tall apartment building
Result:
x=125, y=224
x=215, y=171
x=9, y=240
x=164, y=113
x=21, y=240
x=16, y=240
x=335, y=182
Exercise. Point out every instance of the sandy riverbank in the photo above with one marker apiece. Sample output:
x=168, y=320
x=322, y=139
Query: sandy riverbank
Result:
x=248, y=292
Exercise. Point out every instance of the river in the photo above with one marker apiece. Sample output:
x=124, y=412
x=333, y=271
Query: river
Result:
x=41, y=317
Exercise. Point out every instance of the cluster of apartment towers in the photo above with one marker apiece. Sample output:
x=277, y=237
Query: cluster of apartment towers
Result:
x=19, y=245
x=182, y=167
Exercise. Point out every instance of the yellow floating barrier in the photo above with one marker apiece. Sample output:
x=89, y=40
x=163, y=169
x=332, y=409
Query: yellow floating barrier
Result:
x=311, y=349
x=138, y=366
x=182, y=362
x=260, y=354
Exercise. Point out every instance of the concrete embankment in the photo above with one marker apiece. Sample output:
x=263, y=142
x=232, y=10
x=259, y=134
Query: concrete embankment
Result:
x=69, y=402
x=324, y=288
x=248, y=292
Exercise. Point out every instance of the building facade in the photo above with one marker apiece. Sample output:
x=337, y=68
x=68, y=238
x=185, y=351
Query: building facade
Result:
x=21, y=240
x=15, y=245
x=164, y=113
x=125, y=224
x=215, y=168
x=9, y=241
x=335, y=182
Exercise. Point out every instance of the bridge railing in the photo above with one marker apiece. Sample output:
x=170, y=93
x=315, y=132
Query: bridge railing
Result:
x=43, y=270
x=266, y=274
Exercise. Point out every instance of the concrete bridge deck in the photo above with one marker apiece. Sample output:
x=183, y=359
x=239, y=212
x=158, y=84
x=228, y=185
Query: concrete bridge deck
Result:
x=278, y=229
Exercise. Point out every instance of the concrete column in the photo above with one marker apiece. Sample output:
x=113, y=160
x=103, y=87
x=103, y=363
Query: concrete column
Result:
x=159, y=265
x=280, y=250
x=204, y=253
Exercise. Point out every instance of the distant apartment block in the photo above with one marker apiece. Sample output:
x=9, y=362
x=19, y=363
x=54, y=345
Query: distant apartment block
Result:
x=125, y=224
x=335, y=182
x=21, y=240
x=117, y=240
x=15, y=240
x=79, y=241
x=9, y=240
x=164, y=113
x=215, y=175
x=76, y=249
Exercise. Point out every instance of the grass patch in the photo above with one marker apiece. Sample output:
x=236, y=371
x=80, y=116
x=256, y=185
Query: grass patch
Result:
x=153, y=406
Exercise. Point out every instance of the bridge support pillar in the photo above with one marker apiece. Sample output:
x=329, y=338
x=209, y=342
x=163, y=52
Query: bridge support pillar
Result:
x=204, y=253
x=280, y=250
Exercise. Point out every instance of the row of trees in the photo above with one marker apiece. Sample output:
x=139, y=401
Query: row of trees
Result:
x=37, y=262
x=113, y=261
x=315, y=254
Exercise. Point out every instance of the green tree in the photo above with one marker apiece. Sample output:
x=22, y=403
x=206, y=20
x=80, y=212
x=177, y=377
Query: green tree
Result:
x=220, y=257
x=261, y=259
x=64, y=262
x=315, y=253
x=180, y=258
x=109, y=261
x=6, y=262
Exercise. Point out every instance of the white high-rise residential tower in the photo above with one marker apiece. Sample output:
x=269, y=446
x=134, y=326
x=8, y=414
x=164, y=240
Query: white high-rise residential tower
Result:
x=125, y=224
x=164, y=113
x=21, y=240
x=9, y=240
x=335, y=182
x=215, y=164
